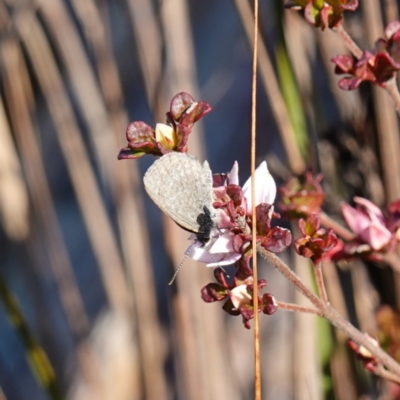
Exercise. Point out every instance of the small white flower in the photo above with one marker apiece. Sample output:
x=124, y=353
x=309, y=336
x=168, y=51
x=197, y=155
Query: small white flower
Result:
x=239, y=296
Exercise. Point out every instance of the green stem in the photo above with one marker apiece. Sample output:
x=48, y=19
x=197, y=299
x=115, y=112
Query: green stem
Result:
x=36, y=356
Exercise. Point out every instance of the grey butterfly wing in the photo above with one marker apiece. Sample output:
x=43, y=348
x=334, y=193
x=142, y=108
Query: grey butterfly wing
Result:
x=181, y=187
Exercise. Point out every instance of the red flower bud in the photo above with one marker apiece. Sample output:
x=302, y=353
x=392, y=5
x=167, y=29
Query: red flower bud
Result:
x=315, y=241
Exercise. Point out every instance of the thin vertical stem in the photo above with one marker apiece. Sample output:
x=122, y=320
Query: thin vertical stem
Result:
x=272, y=90
x=393, y=91
x=320, y=282
x=257, y=371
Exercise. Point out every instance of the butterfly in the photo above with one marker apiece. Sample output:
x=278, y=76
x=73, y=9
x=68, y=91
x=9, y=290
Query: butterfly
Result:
x=182, y=188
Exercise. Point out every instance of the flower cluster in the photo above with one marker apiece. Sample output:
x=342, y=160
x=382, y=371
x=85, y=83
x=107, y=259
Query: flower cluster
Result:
x=231, y=240
x=234, y=210
x=239, y=295
x=378, y=66
x=173, y=136
x=323, y=14
x=233, y=204
x=372, y=232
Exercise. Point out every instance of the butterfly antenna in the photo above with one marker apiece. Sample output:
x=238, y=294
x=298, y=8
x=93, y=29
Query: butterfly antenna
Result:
x=177, y=270
x=184, y=259
x=180, y=265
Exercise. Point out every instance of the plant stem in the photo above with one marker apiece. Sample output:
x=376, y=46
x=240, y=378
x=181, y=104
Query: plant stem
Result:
x=295, y=307
x=393, y=91
x=328, y=312
x=387, y=375
x=343, y=232
x=257, y=368
x=320, y=282
x=348, y=41
x=37, y=358
x=393, y=260
x=291, y=276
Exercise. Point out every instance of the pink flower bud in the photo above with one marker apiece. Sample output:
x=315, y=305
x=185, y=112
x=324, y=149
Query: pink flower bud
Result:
x=265, y=188
x=367, y=222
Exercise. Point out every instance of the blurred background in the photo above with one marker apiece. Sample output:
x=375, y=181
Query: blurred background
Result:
x=86, y=312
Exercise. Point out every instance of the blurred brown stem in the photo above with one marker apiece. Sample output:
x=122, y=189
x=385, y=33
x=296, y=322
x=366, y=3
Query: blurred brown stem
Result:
x=320, y=282
x=348, y=41
x=393, y=260
x=328, y=222
x=387, y=375
x=393, y=91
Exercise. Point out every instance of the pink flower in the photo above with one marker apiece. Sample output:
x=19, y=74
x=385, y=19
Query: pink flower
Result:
x=265, y=188
x=218, y=252
x=230, y=240
x=367, y=222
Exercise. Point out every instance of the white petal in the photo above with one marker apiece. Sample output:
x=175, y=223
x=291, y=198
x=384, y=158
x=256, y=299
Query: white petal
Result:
x=202, y=254
x=226, y=259
x=233, y=176
x=223, y=244
x=239, y=296
x=199, y=253
x=162, y=131
x=265, y=187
